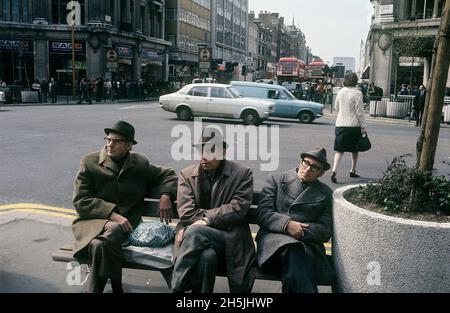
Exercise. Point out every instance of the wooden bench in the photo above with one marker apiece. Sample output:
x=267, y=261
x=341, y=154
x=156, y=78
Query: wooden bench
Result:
x=65, y=253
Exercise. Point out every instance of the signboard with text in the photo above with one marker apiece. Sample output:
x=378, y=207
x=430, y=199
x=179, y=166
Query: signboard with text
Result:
x=204, y=59
x=13, y=44
x=124, y=52
x=65, y=47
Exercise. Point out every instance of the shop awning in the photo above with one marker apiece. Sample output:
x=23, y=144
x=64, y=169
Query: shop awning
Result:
x=153, y=63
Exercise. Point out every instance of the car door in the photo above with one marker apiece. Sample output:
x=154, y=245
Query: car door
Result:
x=281, y=110
x=197, y=98
x=220, y=103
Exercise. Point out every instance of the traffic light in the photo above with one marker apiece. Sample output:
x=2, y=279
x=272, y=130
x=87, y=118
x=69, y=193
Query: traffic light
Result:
x=244, y=70
x=229, y=68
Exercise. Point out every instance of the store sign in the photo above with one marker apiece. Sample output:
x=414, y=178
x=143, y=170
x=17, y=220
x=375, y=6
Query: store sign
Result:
x=79, y=65
x=150, y=55
x=124, y=52
x=112, y=66
x=65, y=47
x=11, y=44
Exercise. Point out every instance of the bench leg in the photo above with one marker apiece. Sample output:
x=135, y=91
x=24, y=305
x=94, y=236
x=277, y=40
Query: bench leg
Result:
x=167, y=274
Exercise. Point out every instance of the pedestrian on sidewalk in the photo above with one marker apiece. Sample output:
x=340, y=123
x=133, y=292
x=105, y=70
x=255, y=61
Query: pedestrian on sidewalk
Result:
x=85, y=89
x=350, y=124
x=45, y=90
x=52, y=87
x=420, y=102
x=36, y=86
x=105, y=216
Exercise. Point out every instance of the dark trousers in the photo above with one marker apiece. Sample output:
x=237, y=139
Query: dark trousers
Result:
x=106, y=257
x=419, y=114
x=198, y=259
x=296, y=269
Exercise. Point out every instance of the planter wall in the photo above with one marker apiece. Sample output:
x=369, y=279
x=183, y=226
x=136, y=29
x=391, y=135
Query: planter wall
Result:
x=409, y=256
x=397, y=109
x=380, y=108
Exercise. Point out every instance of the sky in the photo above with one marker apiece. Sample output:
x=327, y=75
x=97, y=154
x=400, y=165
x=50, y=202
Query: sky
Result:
x=333, y=28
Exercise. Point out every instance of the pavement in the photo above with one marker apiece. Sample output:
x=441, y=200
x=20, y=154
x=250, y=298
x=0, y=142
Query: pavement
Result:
x=31, y=232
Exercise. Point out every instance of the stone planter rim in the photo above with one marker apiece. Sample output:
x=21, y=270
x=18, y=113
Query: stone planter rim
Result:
x=338, y=196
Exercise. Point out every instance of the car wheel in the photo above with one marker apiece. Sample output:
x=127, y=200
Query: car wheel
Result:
x=305, y=117
x=250, y=118
x=184, y=114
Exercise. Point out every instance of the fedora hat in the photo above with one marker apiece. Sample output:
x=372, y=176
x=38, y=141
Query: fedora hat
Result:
x=319, y=155
x=211, y=135
x=123, y=128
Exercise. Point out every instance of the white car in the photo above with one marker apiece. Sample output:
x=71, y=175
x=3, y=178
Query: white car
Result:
x=2, y=97
x=216, y=100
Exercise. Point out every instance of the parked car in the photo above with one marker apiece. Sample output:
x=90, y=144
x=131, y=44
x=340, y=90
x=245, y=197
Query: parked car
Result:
x=2, y=97
x=204, y=80
x=286, y=105
x=267, y=81
x=216, y=100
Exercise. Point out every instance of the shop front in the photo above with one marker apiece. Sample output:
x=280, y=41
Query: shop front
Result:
x=16, y=61
x=151, y=65
x=60, y=63
x=124, y=62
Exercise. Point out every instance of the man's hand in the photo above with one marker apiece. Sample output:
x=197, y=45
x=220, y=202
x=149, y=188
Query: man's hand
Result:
x=200, y=222
x=296, y=229
x=179, y=237
x=122, y=221
x=165, y=209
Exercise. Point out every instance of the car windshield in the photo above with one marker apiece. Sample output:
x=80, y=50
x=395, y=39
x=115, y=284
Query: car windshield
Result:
x=287, y=94
x=234, y=92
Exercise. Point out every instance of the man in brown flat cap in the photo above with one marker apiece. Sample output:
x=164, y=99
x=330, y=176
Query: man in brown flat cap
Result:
x=109, y=193
x=295, y=219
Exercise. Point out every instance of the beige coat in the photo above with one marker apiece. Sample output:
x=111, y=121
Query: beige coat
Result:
x=231, y=197
x=100, y=187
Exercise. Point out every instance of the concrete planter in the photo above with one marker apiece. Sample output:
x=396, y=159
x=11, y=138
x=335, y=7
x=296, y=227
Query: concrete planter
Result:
x=380, y=108
x=397, y=109
x=378, y=253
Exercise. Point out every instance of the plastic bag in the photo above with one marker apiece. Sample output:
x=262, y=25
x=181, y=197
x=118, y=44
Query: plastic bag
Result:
x=152, y=234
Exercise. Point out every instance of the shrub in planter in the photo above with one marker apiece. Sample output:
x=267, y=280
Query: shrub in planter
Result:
x=407, y=191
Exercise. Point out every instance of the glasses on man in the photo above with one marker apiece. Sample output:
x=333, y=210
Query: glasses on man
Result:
x=115, y=141
x=314, y=168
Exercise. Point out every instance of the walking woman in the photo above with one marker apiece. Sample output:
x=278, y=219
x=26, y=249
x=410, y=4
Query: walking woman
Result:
x=350, y=124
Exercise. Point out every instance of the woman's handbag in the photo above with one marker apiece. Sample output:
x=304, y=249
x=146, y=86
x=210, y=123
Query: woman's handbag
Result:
x=152, y=234
x=363, y=144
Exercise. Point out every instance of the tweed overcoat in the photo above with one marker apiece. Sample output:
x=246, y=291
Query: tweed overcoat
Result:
x=101, y=187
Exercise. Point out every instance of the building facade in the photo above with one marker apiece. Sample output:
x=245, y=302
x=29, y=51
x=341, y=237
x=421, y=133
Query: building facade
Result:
x=188, y=25
x=399, y=45
x=230, y=31
x=114, y=39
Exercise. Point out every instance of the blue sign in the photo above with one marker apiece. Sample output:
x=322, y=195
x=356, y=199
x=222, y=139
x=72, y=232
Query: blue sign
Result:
x=65, y=47
x=13, y=44
x=124, y=52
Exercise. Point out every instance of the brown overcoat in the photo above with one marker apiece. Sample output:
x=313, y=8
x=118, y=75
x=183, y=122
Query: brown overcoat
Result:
x=100, y=187
x=231, y=197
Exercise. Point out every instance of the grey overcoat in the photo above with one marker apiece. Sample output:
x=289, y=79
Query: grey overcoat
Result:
x=100, y=187
x=282, y=199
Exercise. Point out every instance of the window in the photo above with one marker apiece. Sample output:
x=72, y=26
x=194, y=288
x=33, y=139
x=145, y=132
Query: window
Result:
x=15, y=10
x=219, y=92
x=199, y=91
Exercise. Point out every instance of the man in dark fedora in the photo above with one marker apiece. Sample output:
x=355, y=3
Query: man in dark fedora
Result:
x=213, y=200
x=109, y=193
x=295, y=219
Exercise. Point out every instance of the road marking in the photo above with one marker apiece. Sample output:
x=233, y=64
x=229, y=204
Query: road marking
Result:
x=138, y=106
x=40, y=212
x=42, y=209
x=34, y=206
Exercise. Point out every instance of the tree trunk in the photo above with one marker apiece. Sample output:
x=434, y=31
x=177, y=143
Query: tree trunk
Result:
x=437, y=93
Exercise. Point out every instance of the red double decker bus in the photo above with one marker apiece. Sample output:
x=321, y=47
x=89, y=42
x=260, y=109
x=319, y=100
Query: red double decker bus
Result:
x=292, y=70
x=316, y=70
